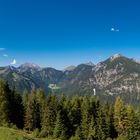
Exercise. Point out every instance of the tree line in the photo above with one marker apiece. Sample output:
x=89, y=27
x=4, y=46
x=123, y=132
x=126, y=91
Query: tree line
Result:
x=68, y=118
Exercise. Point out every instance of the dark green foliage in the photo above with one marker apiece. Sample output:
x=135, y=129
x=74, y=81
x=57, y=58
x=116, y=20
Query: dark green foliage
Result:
x=92, y=129
x=49, y=115
x=75, y=118
x=60, y=130
x=32, y=115
x=63, y=120
x=24, y=98
x=16, y=109
x=40, y=103
x=74, y=113
x=86, y=116
x=132, y=128
x=4, y=103
x=11, y=108
x=119, y=115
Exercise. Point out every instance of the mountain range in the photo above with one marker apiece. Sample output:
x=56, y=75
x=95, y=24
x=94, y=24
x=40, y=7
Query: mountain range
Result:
x=118, y=75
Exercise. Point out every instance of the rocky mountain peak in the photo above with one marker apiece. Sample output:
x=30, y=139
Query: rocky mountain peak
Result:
x=29, y=65
x=89, y=63
x=115, y=56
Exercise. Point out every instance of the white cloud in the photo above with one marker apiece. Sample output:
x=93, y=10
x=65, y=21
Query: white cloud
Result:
x=2, y=49
x=114, y=30
x=5, y=55
x=13, y=62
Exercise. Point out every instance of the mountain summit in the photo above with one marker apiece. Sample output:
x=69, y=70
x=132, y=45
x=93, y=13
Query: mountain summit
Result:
x=29, y=65
x=115, y=56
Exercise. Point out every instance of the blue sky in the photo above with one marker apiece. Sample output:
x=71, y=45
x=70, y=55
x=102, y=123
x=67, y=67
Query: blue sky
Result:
x=59, y=33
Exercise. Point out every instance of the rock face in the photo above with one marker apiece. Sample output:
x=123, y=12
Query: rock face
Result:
x=116, y=75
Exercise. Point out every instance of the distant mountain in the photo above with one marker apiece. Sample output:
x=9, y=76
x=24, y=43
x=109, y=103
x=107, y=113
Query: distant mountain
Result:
x=29, y=76
x=29, y=67
x=118, y=75
x=70, y=68
x=16, y=79
x=90, y=64
x=71, y=81
x=115, y=76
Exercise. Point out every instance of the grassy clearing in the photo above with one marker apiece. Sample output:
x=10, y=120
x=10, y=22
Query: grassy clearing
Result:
x=11, y=134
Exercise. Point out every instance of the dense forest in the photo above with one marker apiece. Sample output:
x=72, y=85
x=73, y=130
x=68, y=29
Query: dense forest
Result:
x=64, y=118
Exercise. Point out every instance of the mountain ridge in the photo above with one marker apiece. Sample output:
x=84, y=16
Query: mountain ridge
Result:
x=117, y=75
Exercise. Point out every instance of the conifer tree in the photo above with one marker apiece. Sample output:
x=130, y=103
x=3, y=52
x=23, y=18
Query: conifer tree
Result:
x=92, y=130
x=31, y=113
x=24, y=103
x=40, y=107
x=109, y=120
x=132, y=130
x=16, y=109
x=4, y=103
x=49, y=115
x=101, y=125
x=60, y=127
x=85, y=121
x=74, y=113
x=24, y=98
x=119, y=115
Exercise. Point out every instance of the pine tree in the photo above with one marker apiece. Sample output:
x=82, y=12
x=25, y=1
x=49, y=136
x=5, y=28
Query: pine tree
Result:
x=4, y=103
x=24, y=104
x=109, y=120
x=92, y=130
x=131, y=124
x=40, y=105
x=119, y=115
x=16, y=109
x=86, y=118
x=31, y=113
x=24, y=98
x=112, y=132
x=60, y=127
x=49, y=115
x=101, y=125
x=74, y=113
